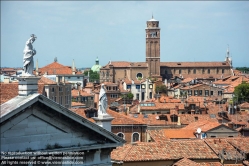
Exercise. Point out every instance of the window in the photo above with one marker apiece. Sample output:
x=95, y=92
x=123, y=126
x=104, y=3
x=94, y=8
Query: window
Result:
x=217, y=71
x=200, y=92
x=194, y=71
x=212, y=136
x=196, y=92
x=150, y=95
x=137, y=86
x=53, y=90
x=137, y=96
x=208, y=71
x=121, y=135
x=143, y=86
x=222, y=71
x=135, y=137
x=150, y=86
x=180, y=71
x=203, y=71
x=196, y=118
x=128, y=87
x=166, y=72
x=107, y=74
x=174, y=118
x=55, y=98
x=60, y=89
x=206, y=92
x=139, y=75
x=190, y=92
x=219, y=93
x=114, y=96
x=211, y=93
x=142, y=95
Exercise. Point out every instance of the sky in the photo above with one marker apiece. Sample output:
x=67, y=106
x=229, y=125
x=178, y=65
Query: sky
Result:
x=191, y=31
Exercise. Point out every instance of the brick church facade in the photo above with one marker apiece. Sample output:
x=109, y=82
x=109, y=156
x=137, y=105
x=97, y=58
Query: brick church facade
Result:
x=154, y=68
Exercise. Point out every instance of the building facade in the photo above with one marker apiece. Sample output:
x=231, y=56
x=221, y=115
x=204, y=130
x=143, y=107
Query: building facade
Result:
x=154, y=68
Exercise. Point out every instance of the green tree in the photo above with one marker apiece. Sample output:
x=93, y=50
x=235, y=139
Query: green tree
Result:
x=93, y=75
x=243, y=69
x=241, y=92
x=130, y=96
x=161, y=89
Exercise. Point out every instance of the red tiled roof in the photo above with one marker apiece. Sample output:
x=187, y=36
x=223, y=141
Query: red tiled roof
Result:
x=178, y=133
x=123, y=64
x=185, y=162
x=56, y=68
x=240, y=143
x=194, y=64
x=121, y=119
x=219, y=145
x=76, y=92
x=204, y=125
x=166, y=150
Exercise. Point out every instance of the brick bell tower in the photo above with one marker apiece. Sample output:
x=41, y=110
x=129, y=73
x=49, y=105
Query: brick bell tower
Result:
x=153, y=47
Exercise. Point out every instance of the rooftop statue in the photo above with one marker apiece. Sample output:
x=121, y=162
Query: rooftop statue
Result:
x=28, y=53
x=102, y=101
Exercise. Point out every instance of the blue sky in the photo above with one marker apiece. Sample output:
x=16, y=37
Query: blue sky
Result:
x=115, y=30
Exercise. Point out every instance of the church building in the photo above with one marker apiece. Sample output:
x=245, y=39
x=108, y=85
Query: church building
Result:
x=154, y=68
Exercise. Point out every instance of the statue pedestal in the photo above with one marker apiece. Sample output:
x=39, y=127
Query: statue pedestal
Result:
x=27, y=85
x=104, y=120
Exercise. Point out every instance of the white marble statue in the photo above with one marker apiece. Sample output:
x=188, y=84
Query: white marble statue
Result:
x=29, y=52
x=102, y=101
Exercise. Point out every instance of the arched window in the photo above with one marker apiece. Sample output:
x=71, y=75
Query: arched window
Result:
x=121, y=135
x=139, y=75
x=135, y=137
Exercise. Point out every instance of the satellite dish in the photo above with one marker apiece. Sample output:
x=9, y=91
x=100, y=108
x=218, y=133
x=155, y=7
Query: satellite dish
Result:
x=199, y=130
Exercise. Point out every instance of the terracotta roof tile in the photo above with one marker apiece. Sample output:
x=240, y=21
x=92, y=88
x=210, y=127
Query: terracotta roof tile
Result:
x=178, y=133
x=222, y=147
x=76, y=92
x=144, y=151
x=185, y=162
x=204, y=125
x=56, y=68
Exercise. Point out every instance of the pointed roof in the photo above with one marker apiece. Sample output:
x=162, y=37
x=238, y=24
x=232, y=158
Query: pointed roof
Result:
x=18, y=104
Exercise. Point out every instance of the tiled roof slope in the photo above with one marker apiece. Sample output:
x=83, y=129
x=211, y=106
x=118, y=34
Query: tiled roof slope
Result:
x=204, y=125
x=185, y=162
x=240, y=143
x=178, y=133
x=8, y=91
x=157, y=135
x=121, y=119
x=142, y=151
x=56, y=68
x=122, y=64
x=194, y=64
x=218, y=145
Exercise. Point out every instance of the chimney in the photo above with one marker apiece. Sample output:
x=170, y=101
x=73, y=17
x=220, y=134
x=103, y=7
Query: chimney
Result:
x=6, y=80
x=73, y=68
x=78, y=86
x=179, y=121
